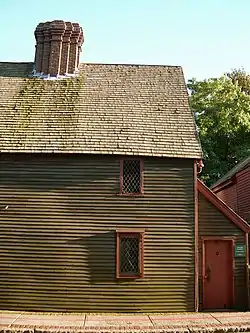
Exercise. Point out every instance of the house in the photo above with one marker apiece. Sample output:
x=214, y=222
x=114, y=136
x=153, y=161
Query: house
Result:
x=98, y=188
x=234, y=188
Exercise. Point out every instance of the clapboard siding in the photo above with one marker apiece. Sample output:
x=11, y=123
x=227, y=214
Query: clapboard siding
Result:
x=229, y=196
x=237, y=194
x=243, y=190
x=58, y=216
x=213, y=223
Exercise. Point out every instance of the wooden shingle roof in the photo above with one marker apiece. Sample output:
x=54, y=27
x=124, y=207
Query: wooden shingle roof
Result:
x=108, y=109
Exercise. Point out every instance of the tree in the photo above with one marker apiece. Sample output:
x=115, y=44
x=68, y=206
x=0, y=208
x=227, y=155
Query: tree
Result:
x=241, y=78
x=222, y=110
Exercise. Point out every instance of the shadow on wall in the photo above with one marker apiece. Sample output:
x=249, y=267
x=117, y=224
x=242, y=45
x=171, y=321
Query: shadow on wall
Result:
x=57, y=172
x=101, y=261
x=101, y=256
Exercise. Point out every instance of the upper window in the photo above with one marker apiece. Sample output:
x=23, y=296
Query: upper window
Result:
x=131, y=178
x=129, y=254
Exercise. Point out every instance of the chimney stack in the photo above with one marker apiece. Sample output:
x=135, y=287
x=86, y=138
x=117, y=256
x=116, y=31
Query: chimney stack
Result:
x=46, y=49
x=57, y=29
x=65, y=49
x=39, y=47
x=58, y=48
x=80, y=42
x=73, y=50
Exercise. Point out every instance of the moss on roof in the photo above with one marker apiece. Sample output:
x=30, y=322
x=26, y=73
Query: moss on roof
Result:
x=108, y=109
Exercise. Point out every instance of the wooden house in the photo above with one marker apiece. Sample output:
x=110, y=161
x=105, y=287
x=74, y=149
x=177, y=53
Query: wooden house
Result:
x=98, y=186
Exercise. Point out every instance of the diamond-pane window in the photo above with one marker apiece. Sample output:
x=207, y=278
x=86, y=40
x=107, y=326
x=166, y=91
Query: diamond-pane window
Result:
x=129, y=259
x=131, y=176
x=129, y=254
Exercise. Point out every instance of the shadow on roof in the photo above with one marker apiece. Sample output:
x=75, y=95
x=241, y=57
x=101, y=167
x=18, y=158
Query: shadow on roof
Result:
x=15, y=69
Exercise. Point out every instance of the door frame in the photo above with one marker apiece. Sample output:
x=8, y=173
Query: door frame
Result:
x=218, y=238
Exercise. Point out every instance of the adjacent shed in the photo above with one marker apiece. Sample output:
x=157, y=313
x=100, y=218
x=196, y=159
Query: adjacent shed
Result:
x=234, y=188
x=223, y=254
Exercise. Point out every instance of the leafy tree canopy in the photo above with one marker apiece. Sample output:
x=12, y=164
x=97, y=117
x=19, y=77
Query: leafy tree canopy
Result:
x=240, y=78
x=222, y=111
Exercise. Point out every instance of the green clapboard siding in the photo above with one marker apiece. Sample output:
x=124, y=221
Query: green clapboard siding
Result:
x=213, y=223
x=58, y=234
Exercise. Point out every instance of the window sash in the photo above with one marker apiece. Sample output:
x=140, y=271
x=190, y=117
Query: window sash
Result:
x=141, y=187
x=140, y=237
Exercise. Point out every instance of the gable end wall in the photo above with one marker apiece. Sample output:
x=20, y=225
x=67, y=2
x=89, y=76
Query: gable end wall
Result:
x=58, y=219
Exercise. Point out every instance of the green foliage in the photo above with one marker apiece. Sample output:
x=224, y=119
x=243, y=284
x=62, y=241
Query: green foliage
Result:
x=240, y=78
x=222, y=111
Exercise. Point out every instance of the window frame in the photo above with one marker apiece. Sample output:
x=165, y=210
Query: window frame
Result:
x=128, y=194
x=140, y=233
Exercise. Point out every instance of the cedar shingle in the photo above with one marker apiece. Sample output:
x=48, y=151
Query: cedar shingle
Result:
x=115, y=109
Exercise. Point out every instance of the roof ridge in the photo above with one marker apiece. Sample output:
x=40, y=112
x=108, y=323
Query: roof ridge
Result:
x=100, y=63
x=129, y=64
x=16, y=62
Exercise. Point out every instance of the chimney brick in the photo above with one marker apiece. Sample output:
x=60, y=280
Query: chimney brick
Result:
x=46, y=48
x=39, y=47
x=66, y=48
x=57, y=29
x=73, y=52
x=79, y=50
x=58, y=47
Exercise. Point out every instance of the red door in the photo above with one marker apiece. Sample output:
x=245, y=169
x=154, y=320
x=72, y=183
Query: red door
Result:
x=218, y=277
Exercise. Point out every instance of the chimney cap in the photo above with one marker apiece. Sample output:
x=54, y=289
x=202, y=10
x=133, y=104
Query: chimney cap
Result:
x=76, y=29
x=69, y=25
x=39, y=29
x=81, y=37
x=68, y=28
x=57, y=26
x=46, y=27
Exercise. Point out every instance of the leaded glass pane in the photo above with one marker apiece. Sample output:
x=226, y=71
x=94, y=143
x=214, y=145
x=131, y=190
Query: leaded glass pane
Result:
x=129, y=255
x=131, y=176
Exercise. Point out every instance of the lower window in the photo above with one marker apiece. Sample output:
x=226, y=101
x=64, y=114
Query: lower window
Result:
x=129, y=254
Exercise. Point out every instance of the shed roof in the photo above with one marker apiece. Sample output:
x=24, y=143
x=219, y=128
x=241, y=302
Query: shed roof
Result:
x=108, y=109
x=237, y=168
x=222, y=207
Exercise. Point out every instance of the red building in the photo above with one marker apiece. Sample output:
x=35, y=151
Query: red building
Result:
x=234, y=189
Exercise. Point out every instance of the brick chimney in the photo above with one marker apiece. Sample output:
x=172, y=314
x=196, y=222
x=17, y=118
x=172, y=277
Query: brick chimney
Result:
x=46, y=48
x=80, y=42
x=39, y=47
x=58, y=48
x=65, y=48
x=57, y=29
x=73, y=51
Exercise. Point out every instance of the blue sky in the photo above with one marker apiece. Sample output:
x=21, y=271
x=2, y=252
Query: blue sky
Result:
x=206, y=37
